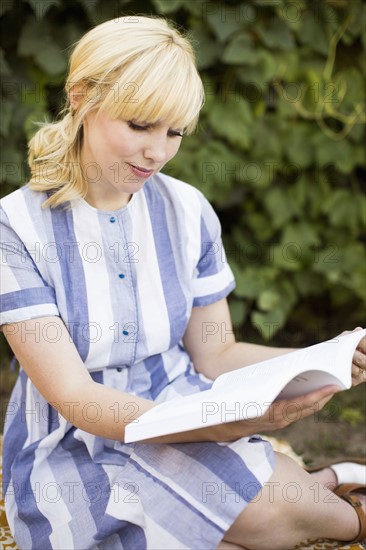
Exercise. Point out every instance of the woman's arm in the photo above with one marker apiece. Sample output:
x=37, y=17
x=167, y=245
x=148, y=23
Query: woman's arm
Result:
x=59, y=374
x=210, y=342
x=57, y=371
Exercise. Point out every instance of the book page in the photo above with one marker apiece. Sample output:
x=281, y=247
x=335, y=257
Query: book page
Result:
x=333, y=358
x=307, y=382
x=248, y=392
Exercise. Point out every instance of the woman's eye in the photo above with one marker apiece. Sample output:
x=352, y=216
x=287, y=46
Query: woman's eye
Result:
x=145, y=127
x=137, y=127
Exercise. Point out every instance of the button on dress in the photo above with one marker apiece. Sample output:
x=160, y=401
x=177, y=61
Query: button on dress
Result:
x=124, y=283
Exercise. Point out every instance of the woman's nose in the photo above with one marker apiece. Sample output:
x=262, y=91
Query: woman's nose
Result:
x=156, y=149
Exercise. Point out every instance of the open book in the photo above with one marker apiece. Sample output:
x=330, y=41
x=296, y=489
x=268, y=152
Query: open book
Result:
x=247, y=393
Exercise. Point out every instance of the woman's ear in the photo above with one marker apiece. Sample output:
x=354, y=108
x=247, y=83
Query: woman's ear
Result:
x=76, y=95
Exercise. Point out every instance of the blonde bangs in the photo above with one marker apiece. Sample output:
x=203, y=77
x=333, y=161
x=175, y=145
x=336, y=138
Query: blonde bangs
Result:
x=134, y=68
x=159, y=86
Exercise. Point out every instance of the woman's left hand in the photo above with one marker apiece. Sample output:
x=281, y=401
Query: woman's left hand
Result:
x=359, y=360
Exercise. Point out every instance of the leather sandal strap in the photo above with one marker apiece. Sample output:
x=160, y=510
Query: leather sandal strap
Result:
x=346, y=488
x=345, y=492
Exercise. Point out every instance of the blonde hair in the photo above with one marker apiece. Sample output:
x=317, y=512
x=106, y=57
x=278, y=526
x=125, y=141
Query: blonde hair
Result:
x=134, y=68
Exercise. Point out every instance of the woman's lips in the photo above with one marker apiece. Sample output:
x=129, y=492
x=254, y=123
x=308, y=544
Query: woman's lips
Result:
x=140, y=172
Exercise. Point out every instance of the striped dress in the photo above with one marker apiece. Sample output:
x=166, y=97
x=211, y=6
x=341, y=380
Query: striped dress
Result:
x=124, y=283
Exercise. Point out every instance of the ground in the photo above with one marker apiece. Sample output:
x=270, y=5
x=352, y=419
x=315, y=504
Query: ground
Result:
x=336, y=432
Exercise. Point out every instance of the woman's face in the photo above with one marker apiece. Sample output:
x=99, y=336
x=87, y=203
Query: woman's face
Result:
x=118, y=156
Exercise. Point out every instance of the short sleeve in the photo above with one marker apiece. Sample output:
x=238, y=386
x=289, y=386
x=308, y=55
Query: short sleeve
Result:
x=23, y=292
x=214, y=279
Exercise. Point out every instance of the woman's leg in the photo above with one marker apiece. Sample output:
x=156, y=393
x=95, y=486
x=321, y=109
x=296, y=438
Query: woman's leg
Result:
x=326, y=477
x=292, y=507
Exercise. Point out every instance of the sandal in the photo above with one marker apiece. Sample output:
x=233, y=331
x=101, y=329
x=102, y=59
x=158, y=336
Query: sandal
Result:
x=347, y=470
x=348, y=492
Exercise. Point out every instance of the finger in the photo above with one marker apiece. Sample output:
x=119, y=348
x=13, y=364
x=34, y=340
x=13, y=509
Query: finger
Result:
x=318, y=404
x=362, y=345
x=309, y=400
x=324, y=401
x=359, y=358
x=358, y=374
x=325, y=391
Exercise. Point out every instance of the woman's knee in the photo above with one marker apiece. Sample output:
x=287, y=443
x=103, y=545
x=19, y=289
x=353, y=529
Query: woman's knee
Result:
x=269, y=511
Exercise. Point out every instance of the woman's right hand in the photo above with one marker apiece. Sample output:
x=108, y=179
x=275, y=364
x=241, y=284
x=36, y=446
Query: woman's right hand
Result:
x=279, y=415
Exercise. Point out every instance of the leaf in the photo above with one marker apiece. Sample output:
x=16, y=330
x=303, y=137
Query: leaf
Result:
x=31, y=123
x=258, y=222
x=168, y=6
x=310, y=191
x=356, y=283
x=362, y=210
x=311, y=33
x=268, y=324
x=352, y=81
x=208, y=165
x=342, y=210
x=52, y=60
x=240, y=50
x=224, y=23
x=281, y=296
x=268, y=300
x=297, y=246
x=279, y=206
x=200, y=8
x=330, y=18
x=7, y=108
x=41, y=80
x=32, y=38
x=336, y=153
x=259, y=70
x=36, y=40
x=351, y=256
x=40, y=8
x=287, y=256
x=266, y=143
x=276, y=34
x=207, y=49
x=4, y=67
x=89, y=5
x=238, y=311
x=11, y=164
x=358, y=17
x=299, y=149
x=329, y=261
x=238, y=120
x=303, y=234
x=308, y=283
x=249, y=283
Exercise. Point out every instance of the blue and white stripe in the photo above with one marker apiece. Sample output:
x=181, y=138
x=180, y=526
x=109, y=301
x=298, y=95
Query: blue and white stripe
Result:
x=124, y=283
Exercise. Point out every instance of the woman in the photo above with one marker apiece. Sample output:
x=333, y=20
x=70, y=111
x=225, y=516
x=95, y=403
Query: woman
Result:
x=107, y=284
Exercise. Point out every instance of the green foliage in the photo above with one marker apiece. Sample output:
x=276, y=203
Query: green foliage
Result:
x=278, y=151
x=353, y=416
